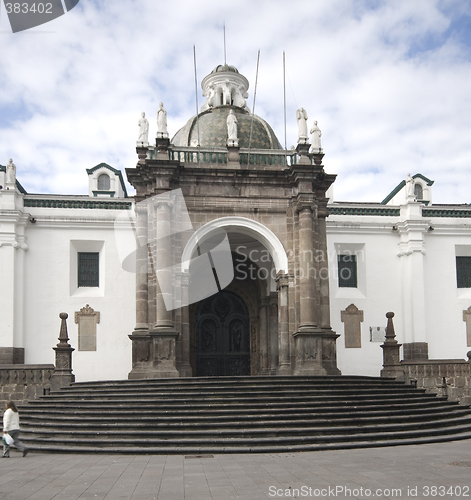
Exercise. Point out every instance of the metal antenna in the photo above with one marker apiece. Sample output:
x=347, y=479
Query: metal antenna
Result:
x=284, y=93
x=197, y=111
x=225, y=62
x=253, y=108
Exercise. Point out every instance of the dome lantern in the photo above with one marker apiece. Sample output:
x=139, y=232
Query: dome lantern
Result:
x=225, y=86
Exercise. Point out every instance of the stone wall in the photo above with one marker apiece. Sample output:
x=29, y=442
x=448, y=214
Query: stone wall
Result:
x=444, y=377
x=21, y=383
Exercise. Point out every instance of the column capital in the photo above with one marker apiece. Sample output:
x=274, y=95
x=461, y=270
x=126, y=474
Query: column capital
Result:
x=282, y=280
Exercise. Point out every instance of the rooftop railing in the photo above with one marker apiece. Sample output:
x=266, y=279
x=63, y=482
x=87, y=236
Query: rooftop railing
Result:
x=219, y=156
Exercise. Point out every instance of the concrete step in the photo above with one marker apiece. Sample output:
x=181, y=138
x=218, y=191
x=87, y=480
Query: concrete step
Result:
x=241, y=413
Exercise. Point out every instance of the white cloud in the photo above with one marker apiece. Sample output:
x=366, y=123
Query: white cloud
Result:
x=386, y=80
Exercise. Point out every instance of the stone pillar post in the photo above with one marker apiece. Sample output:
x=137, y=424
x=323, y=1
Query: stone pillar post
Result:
x=164, y=333
x=63, y=372
x=273, y=335
x=164, y=261
x=185, y=369
x=309, y=337
x=391, y=361
x=323, y=267
x=308, y=307
x=284, y=363
x=142, y=270
x=264, y=369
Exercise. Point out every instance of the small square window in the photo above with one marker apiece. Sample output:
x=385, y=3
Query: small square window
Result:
x=347, y=265
x=88, y=269
x=463, y=272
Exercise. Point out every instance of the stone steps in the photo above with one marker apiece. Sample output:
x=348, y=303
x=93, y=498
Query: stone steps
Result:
x=241, y=414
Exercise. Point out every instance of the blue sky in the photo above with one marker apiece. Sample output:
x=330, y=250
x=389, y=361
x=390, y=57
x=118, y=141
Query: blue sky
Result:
x=387, y=81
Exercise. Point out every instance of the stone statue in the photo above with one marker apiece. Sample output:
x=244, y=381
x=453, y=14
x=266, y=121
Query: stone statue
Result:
x=302, y=117
x=162, y=121
x=10, y=177
x=232, y=122
x=143, y=129
x=316, y=138
x=410, y=186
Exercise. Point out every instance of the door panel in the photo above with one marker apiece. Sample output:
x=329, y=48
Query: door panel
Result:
x=222, y=336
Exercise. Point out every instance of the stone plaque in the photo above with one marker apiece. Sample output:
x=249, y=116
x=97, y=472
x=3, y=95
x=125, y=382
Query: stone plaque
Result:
x=467, y=319
x=87, y=319
x=352, y=317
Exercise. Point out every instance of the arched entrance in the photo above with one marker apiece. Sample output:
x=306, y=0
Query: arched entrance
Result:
x=222, y=336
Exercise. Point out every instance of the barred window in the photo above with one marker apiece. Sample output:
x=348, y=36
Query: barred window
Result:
x=347, y=265
x=88, y=269
x=463, y=272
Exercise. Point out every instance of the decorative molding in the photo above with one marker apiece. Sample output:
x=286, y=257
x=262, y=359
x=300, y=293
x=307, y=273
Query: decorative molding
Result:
x=78, y=204
x=365, y=211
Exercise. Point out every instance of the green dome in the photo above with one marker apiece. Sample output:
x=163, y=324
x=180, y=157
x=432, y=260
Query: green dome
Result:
x=213, y=130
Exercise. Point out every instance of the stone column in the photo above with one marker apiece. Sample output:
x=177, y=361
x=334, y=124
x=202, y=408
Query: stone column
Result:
x=308, y=306
x=264, y=369
x=309, y=337
x=284, y=364
x=163, y=262
x=63, y=372
x=273, y=335
x=185, y=369
x=323, y=267
x=164, y=333
x=142, y=270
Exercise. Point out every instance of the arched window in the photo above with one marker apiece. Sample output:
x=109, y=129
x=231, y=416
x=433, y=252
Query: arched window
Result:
x=104, y=182
x=418, y=191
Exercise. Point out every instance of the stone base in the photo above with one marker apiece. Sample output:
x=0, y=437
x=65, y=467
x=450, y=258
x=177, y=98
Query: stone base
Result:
x=308, y=353
x=12, y=355
x=417, y=351
x=153, y=355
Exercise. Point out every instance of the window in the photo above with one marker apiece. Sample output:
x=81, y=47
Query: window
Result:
x=88, y=269
x=347, y=271
x=104, y=182
x=463, y=272
x=419, y=192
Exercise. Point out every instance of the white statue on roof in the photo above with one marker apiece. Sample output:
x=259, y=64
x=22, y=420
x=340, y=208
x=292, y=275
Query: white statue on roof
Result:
x=316, y=138
x=410, y=183
x=232, y=139
x=10, y=177
x=143, y=130
x=162, y=131
x=302, y=118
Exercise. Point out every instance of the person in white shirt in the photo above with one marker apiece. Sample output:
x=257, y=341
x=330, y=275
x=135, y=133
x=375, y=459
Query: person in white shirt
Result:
x=11, y=425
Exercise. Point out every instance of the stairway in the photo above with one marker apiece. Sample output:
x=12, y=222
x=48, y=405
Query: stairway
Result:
x=239, y=415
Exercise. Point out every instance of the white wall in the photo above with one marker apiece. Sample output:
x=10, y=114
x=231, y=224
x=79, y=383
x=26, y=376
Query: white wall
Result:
x=49, y=290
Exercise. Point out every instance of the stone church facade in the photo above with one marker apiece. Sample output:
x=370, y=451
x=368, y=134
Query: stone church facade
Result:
x=232, y=259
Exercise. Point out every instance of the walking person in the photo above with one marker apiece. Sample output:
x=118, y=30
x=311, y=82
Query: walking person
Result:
x=11, y=425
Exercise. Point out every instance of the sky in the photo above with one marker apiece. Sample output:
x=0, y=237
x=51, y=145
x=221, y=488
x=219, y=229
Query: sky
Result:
x=389, y=83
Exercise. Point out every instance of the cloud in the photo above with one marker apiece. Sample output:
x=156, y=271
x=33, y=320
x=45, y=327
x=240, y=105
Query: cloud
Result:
x=386, y=80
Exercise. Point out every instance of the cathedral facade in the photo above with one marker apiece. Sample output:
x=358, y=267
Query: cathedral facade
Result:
x=232, y=259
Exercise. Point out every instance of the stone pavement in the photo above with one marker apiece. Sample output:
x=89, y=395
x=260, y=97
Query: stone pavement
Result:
x=423, y=471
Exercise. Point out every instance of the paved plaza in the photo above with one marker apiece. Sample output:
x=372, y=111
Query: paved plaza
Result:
x=423, y=471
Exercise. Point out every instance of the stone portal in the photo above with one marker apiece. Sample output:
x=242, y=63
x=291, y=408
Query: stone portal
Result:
x=268, y=207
